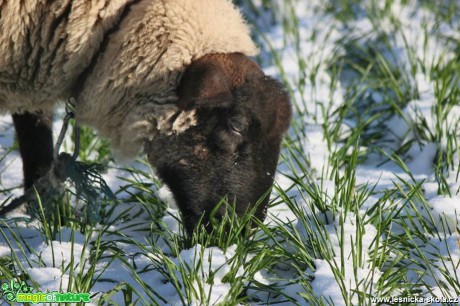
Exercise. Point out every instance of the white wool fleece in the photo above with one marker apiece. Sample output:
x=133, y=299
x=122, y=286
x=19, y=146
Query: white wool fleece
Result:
x=45, y=45
x=129, y=93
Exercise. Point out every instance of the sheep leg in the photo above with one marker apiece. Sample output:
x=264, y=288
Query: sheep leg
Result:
x=35, y=137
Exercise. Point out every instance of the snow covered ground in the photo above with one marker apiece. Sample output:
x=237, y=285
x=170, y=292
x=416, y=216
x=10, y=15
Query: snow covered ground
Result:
x=368, y=195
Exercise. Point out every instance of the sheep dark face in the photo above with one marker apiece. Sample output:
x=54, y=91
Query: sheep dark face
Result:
x=232, y=151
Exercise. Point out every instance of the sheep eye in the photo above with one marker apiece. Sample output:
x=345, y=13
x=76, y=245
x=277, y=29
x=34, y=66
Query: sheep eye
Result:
x=238, y=125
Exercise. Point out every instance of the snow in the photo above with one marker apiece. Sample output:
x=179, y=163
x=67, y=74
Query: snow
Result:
x=320, y=36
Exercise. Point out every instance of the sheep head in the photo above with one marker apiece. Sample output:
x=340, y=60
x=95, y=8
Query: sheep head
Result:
x=232, y=150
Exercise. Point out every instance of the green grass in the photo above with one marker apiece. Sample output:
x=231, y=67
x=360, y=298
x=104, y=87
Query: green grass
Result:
x=379, y=238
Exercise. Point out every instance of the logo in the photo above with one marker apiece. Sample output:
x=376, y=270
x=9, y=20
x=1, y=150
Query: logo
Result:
x=9, y=290
x=21, y=292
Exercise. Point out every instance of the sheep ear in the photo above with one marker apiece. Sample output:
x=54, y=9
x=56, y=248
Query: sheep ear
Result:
x=204, y=84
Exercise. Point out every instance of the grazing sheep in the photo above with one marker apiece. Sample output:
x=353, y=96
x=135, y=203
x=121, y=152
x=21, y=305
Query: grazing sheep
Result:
x=171, y=78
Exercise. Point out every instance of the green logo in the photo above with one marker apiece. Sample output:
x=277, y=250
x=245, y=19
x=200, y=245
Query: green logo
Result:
x=11, y=289
x=22, y=293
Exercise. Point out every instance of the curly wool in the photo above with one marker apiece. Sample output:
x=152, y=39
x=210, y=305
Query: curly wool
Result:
x=128, y=91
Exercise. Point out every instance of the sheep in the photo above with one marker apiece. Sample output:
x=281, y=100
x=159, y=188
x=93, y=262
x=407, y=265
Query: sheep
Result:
x=172, y=78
